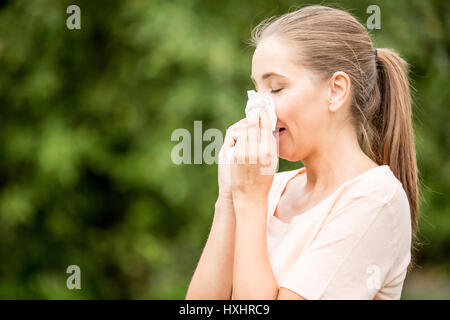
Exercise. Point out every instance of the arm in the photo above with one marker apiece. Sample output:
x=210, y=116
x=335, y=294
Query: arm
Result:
x=253, y=275
x=213, y=276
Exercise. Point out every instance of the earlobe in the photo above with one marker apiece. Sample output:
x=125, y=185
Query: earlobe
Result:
x=334, y=107
x=332, y=97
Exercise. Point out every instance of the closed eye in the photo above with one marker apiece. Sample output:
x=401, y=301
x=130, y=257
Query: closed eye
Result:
x=275, y=91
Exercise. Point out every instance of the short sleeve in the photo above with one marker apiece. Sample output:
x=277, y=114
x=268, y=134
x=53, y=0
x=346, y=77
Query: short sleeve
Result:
x=350, y=256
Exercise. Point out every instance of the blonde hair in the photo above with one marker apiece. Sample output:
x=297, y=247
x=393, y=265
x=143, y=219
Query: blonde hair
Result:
x=329, y=40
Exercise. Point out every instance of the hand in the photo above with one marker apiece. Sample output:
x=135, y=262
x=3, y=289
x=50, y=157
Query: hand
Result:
x=224, y=167
x=255, y=158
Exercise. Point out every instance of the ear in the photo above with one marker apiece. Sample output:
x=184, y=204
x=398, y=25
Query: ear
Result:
x=339, y=90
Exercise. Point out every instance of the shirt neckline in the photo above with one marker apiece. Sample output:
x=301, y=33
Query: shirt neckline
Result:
x=303, y=170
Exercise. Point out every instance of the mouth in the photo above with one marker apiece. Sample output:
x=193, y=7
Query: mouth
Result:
x=279, y=131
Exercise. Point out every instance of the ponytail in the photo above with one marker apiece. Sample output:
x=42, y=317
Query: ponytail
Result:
x=393, y=140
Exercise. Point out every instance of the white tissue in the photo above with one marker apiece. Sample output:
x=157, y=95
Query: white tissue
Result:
x=258, y=100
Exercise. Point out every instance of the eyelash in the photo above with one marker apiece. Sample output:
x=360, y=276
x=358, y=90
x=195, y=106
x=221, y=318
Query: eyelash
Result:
x=274, y=91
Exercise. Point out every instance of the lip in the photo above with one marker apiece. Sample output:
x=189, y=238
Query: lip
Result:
x=278, y=133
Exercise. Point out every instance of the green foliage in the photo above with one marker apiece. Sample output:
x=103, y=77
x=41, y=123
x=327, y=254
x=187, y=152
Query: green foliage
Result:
x=87, y=116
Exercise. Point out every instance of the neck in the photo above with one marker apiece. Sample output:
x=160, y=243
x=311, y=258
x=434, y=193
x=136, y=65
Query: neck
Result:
x=336, y=160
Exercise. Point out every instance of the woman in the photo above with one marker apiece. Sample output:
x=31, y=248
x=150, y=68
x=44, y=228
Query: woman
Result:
x=342, y=226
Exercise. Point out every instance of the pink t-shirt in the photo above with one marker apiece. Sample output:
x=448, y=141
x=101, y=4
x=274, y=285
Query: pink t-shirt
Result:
x=355, y=244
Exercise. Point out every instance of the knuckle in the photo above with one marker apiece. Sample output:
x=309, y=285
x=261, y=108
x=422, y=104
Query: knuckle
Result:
x=243, y=121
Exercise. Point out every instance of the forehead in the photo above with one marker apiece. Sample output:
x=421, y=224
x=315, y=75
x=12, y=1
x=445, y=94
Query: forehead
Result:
x=272, y=55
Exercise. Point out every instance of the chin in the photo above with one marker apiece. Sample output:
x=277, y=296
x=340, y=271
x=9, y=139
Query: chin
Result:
x=285, y=156
x=289, y=155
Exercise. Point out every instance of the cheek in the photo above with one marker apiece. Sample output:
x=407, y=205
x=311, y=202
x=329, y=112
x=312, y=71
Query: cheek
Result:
x=303, y=112
x=300, y=111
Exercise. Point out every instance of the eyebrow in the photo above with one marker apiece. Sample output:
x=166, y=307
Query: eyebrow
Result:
x=268, y=75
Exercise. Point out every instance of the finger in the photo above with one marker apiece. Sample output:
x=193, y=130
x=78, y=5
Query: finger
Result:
x=230, y=139
x=241, y=146
x=266, y=150
x=253, y=119
x=265, y=120
x=234, y=128
x=243, y=121
x=232, y=131
x=253, y=133
x=231, y=136
x=266, y=139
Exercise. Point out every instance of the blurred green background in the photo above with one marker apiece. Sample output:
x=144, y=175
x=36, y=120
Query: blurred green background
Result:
x=86, y=176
